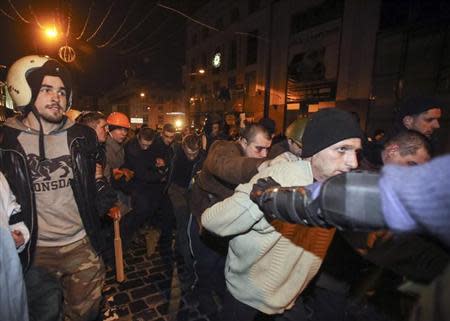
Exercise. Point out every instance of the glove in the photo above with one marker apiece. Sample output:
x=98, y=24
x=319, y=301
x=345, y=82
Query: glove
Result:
x=106, y=196
x=126, y=173
x=288, y=204
x=114, y=213
x=260, y=191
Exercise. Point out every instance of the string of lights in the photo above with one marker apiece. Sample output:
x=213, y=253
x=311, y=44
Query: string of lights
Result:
x=103, y=21
x=134, y=28
x=86, y=21
x=35, y=17
x=7, y=15
x=69, y=20
x=120, y=27
x=17, y=12
x=188, y=17
x=145, y=39
x=208, y=26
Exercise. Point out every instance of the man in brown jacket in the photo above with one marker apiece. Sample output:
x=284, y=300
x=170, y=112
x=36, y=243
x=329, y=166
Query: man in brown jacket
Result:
x=227, y=165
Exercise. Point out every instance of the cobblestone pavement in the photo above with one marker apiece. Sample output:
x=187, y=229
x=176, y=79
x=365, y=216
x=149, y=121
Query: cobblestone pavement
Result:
x=151, y=290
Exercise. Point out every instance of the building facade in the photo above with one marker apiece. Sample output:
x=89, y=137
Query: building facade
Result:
x=145, y=103
x=362, y=56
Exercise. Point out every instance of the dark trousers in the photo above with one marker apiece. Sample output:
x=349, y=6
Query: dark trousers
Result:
x=235, y=310
x=209, y=253
x=178, y=198
x=145, y=203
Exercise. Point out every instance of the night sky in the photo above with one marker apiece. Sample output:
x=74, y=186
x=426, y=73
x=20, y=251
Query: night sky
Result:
x=152, y=47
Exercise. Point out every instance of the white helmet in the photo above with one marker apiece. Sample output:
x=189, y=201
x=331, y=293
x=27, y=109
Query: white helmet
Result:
x=19, y=84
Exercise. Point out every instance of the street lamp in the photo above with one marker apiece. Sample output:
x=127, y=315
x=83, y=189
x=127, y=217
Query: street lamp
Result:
x=142, y=94
x=199, y=72
x=51, y=32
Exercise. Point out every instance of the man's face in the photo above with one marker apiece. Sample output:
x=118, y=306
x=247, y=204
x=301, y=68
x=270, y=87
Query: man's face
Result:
x=51, y=101
x=425, y=123
x=100, y=130
x=215, y=128
x=143, y=143
x=391, y=155
x=119, y=134
x=335, y=159
x=295, y=148
x=191, y=154
x=258, y=148
x=167, y=137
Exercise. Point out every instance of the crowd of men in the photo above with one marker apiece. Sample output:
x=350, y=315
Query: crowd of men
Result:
x=244, y=254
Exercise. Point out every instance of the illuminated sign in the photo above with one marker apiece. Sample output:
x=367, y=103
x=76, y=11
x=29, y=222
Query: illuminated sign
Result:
x=137, y=120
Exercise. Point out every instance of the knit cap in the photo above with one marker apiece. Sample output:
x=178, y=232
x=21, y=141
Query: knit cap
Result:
x=328, y=127
x=417, y=105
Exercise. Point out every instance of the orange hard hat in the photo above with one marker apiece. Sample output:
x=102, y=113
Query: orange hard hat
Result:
x=118, y=119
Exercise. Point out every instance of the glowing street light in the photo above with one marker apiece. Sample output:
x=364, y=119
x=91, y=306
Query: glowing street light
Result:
x=201, y=71
x=142, y=94
x=51, y=32
x=178, y=123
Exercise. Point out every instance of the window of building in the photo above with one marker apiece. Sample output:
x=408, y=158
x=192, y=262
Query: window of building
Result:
x=193, y=65
x=204, y=61
x=205, y=33
x=253, y=5
x=250, y=83
x=327, y=11
x=396, y=14
x=204, y=89
x=232, y=57
x=216, y=87
x=231, y=82
x=252, y=48
x=234, y=15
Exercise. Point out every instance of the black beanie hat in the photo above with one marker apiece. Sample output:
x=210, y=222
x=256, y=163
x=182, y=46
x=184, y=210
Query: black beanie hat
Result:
x=328, y=127
x=51, y=68
x=416, y=105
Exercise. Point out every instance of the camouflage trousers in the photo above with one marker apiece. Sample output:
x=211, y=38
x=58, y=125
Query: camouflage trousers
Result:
x=81, y=273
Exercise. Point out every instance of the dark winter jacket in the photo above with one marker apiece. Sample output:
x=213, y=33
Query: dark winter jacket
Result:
x=82, y=142
x=225, y=167
x=180, y=165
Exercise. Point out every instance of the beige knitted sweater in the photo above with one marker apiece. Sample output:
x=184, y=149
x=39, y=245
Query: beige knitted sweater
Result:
x=268, y=264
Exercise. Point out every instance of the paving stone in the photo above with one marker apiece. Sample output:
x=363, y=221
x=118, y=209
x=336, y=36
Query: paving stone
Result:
x=122, y=311
x=155, y=300
x=143, y=292
x=131, y=284
x=163, y=308
x=137, y=306
x=137, y=274
x=153, y=278
x=121, y=298
x=129, y=268
x=164, y=285
x=134, y=260
x=144, y=265
x=139, y=252
x=157, y=269
x=146, y=315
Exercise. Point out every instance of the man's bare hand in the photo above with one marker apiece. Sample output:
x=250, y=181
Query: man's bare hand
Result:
x=18, y=237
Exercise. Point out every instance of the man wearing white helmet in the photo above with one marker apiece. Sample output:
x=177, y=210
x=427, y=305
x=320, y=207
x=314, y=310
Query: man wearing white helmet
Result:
x=50, y=162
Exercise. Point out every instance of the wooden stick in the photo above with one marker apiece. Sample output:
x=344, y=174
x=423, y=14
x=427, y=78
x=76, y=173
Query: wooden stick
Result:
x=118, y=254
